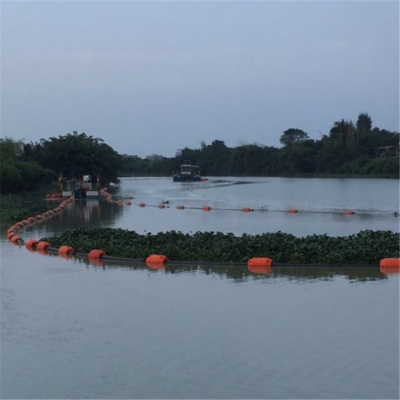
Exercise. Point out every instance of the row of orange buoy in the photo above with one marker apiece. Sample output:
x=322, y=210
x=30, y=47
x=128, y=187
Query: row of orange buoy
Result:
x=243, y=209
x=291, y=210
x=256, y=265
x=12, y=235
x=53, y=195
x=63, y=251
x=205, y=207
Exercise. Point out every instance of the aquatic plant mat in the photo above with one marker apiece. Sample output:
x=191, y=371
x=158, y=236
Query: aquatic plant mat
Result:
x=366, y=247
x=13, y=209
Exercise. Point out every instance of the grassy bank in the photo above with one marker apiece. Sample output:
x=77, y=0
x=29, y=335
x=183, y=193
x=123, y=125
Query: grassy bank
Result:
x=365, y=247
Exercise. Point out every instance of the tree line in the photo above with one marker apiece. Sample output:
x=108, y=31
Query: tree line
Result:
x=348, y=149
x=28, y=166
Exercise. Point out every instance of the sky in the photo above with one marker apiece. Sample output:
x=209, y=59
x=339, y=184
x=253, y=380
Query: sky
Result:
x=153, y=77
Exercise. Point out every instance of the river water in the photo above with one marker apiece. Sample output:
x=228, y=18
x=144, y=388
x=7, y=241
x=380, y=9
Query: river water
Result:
x=71, y=330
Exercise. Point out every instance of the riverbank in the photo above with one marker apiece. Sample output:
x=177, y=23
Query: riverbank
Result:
x=366, y=247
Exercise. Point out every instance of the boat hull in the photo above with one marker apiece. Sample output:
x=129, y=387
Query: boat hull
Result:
x=180, y=178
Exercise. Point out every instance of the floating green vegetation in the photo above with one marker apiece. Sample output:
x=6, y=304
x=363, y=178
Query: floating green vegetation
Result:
x=13, y=209
x=366, y=247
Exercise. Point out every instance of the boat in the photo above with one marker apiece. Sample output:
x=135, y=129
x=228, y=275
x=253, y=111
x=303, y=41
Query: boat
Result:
x=82, y=189
x=188, y=173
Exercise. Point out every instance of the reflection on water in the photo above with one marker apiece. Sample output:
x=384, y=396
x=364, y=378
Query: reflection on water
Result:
x=241, y=273
x=82, y=214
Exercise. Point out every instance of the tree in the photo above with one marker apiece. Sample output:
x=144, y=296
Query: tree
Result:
x=17, y=174
x=75, y=155
x=344, y=132
x=363, y=125
x=291, y=137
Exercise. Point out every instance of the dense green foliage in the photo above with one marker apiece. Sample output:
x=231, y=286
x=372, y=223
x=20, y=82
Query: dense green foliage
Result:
x=75, y=155
x=365, y=247
x=18, y=174
x=25, y=167
x=13, y=210
x=347, y=149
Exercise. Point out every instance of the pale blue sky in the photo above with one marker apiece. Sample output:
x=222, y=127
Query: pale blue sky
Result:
x=154, y=77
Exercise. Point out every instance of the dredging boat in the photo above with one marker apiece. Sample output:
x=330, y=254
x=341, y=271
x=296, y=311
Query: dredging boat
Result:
x=188, y=173
x=82, y=189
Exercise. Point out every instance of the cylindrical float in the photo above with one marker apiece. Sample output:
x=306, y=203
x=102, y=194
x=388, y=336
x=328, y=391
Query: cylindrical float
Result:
x=42, y=246
x=96, y=254
x=260, y=262
x=156, y=259
x=31, y=244
x=65, y=250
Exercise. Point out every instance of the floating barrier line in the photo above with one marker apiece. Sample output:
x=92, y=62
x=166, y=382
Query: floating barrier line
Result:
x=242, y=209
x=81, y=255
x=96, y=257
x=247, y=209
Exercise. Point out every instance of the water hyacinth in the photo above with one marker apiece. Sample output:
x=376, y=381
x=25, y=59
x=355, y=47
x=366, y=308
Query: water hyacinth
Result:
x=366, y=247
x=12, y=209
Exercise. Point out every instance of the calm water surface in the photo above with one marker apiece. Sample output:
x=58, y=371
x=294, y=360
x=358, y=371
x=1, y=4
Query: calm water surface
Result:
x=73, y=330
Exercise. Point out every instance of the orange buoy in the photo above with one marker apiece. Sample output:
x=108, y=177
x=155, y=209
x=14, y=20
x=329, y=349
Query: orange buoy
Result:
x=42, y=246
x=260, y=262
x=128, y=203
x=31, y=220
x=65, y=250
x=390, y=265
x=161, y=206
x=156, y=259
x=96, y=254
x=247, y=209
x=206, y=208
x=10, y=235
x=142, y=204
x=180, y=207
x=348, y=212
x=15, y=239
x=293, y=210
x=390, y=262
x=31, y=244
